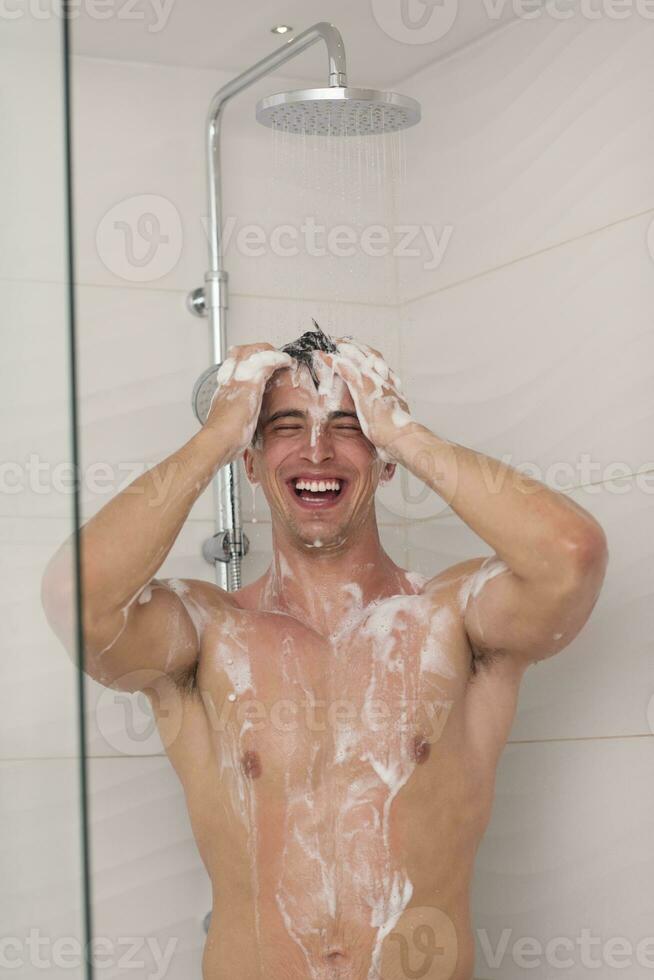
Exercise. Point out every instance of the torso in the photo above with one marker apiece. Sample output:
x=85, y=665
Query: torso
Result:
x=338, y=787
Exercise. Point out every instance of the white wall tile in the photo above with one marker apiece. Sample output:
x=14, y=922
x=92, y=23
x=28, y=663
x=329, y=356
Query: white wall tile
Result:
x=543, y=361
x=33, y=241
x=539, y=134
x=40, y=866
x=568, y=849
x=35, y=425
x=148, y=879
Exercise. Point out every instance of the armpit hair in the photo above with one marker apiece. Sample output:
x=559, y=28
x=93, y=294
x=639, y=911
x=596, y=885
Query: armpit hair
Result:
x=482, y=659
x=185, y=679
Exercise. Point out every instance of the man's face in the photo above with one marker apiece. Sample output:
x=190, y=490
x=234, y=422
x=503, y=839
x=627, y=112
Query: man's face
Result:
x=309, y=440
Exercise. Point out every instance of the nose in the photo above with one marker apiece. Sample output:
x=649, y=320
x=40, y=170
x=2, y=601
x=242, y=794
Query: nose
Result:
x=318, y=446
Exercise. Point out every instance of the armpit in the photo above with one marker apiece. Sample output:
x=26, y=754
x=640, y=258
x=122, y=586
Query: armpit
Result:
x=185, y=679
x=482, y=658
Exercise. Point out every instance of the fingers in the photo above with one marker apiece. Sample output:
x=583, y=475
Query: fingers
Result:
x=367, y=360
x=253, y=363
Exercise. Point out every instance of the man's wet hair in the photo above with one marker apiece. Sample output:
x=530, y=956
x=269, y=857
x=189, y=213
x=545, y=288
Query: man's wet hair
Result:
x=302, y=350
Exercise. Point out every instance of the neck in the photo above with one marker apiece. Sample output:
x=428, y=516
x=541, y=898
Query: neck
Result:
x=321, y=585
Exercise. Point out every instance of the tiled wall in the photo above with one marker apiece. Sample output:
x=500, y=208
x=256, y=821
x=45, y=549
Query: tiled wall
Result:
x=530, y=341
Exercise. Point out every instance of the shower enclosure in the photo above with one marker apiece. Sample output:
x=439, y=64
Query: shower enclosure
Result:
x=44, y=904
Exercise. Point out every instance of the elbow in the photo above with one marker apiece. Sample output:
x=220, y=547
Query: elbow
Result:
x=590, y=547
x=587, y=555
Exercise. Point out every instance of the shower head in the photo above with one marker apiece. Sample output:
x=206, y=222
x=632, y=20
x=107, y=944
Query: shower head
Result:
x=338, y=111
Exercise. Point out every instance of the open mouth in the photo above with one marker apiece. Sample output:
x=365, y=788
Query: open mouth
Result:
x=311, y=492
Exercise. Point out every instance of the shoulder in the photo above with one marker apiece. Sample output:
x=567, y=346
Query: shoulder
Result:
x=494, y=680
x=453, y=587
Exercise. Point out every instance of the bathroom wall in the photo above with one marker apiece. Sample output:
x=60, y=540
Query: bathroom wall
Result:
x=532, y=341
x=528, y=341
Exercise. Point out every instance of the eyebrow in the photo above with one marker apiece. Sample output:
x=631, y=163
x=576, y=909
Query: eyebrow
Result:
x=295, y=413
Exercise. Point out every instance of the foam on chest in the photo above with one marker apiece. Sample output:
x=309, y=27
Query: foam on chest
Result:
x=328, y=731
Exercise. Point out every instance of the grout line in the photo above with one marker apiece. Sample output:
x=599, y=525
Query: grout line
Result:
x=578, y=738
x=528, y=255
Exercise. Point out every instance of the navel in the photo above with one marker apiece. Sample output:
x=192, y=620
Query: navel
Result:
x=251, y=764
x=421, y=748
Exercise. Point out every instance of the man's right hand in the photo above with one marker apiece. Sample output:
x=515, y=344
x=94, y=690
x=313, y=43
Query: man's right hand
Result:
x=236, y=404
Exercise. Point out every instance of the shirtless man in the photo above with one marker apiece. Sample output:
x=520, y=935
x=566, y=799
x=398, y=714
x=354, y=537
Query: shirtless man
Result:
x=336, y=725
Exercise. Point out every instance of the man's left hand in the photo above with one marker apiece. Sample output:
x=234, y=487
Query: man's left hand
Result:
x=375, y=389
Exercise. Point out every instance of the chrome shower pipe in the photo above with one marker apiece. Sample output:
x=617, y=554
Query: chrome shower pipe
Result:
x=212, y=300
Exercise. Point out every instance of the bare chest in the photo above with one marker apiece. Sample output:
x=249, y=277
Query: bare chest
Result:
x=370, y=702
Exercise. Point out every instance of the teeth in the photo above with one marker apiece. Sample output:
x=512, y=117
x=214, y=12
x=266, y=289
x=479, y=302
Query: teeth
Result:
x=317, y=486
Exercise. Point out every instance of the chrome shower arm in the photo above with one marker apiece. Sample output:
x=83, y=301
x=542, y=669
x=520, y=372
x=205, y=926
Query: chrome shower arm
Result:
x=294, y=46
x=229, y=544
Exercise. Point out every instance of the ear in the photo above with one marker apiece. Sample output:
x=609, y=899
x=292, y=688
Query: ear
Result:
x=248, y=463
x=387, y=473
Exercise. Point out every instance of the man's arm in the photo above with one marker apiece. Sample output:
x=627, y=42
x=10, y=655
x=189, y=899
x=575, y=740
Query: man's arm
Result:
x=533, y=596
x=131, y=621
x=121, y=549
x=550, y=555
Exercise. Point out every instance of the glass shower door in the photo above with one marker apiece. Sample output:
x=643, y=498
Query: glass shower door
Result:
x=43, y=895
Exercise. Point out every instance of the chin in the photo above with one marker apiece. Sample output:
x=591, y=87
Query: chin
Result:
x=320, y=536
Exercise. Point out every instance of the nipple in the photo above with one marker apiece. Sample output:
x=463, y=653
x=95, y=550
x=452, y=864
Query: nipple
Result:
x=421, y=748
x=251, y=764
